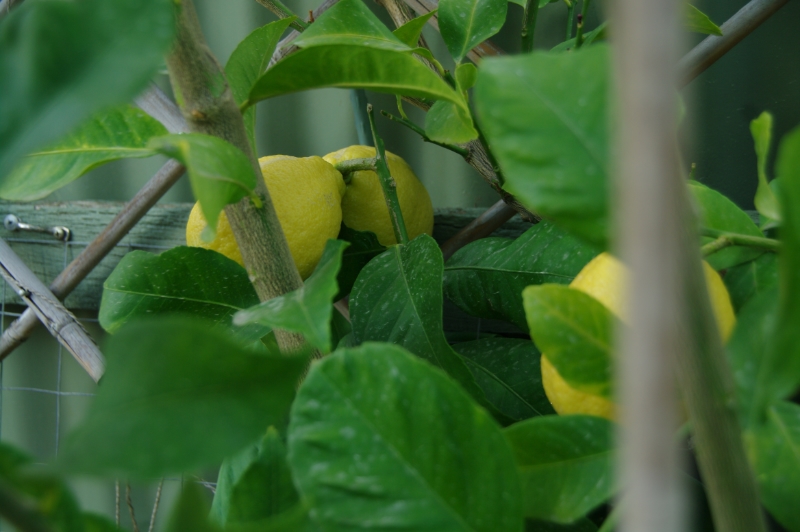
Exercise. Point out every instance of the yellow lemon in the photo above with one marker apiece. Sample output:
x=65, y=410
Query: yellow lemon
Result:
x=307, y=195
x=603, y=279
x=364, y=207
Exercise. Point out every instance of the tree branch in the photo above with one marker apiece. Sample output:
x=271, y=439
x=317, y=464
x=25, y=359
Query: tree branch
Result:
x=208, y=107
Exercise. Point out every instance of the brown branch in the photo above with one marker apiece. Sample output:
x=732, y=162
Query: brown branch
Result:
x=208, y=107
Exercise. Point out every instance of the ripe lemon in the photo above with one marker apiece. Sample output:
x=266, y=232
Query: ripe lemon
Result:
x=307, y=195
x=364, y=207
x=603, y=279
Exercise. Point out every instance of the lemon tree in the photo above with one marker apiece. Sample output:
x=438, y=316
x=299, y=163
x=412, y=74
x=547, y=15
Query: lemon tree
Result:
x=403, y=424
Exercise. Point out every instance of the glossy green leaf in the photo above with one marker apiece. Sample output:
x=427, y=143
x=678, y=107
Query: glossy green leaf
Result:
x=63, y=61
x=350, y=22
x=465, y=24
x=486, y=277
x=364, y=246
x=508, y=371
x=718, y=212
x=466, y=76
x=449, y=123
x=218, y=171
x=765, y=201
x=776, y=448
x=191, y=511
x=751, y=278
x=379, y=439
x=255, y=484
x=574, y=331
x=296, y=519
x=117, y=133
x=187, y=280
x=698, y=22
x=753, y=358
x=397, y=298
x=545, y=116
x=308, y=309
x=248, y=61
x=357, y=67
x=410, y=32
x=566, y=465
x=178, y=394
x=788, y=166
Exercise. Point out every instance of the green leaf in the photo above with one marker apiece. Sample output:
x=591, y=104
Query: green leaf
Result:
x=397, y=298
x=698, y=22
x=574, y=331
x=766, y=202
x=485, y=278
x=465, y=24
x=98, y=523
x=410, y=31
x=350, y=22
x=788, y=165
x=63, y=61
x=117, y=133
x=718, y=212
x=508, y=371
x=753, y=357
x=545, y=116
x=308, y=309
x=218, y=171
x=449, y=123
x=466, y=76
x=248, y=61
x=256, y=484
x=191, y=511
x=184, y=279
x=379, y=439
x=350, y=66
x=751, y=278
x=776, y=449
x=364, y=246
x=566, y=465
x=178, y=394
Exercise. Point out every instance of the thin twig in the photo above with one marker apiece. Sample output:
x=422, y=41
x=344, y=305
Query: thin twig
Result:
x=155, y=506
x=736, y=28
x=356, y=165
x=155, y=103
x=570, y=18
x=388, y=184
x=281, y=11
x=529, y=24
x=358, y=99
x=421, y=132
x=130, y=507
x=581, y=23
x=736, y=239
x=484, y=225
x=116, y=502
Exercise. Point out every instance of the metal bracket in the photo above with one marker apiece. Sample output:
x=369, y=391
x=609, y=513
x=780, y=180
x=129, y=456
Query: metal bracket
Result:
x=12, y=223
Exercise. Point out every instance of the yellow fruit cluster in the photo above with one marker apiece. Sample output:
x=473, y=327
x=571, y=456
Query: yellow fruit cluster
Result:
x=604, y=279
x=311, y=201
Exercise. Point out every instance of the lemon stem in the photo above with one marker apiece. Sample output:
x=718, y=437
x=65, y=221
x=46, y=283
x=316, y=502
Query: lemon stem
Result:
x=723, y=240
x=346, y=168
x=388, y=184
x=529, y=24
